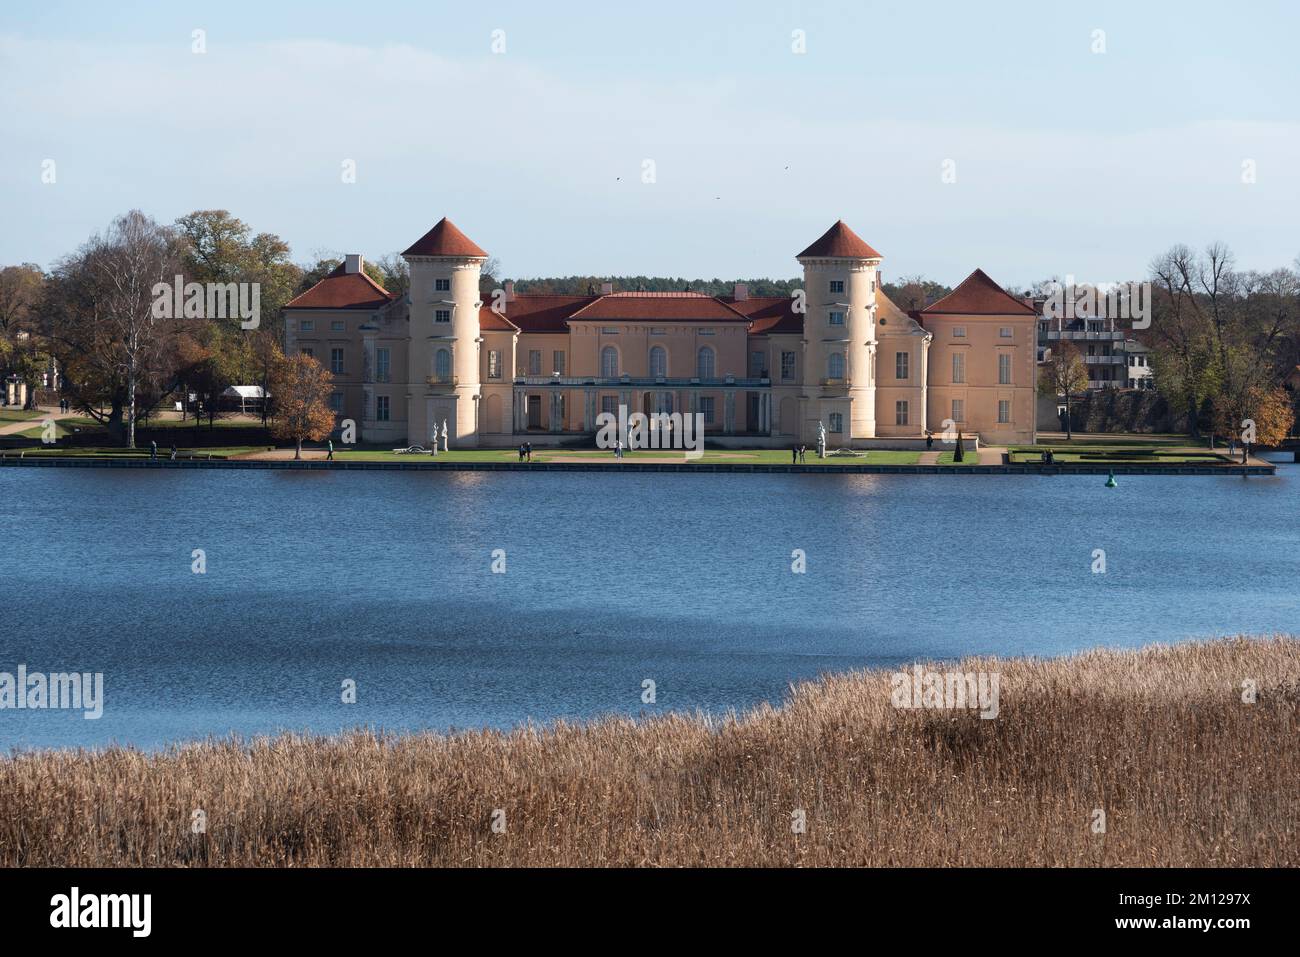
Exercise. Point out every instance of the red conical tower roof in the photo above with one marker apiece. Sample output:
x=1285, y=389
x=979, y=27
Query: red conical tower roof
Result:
x=445, y=240
x=840, y=242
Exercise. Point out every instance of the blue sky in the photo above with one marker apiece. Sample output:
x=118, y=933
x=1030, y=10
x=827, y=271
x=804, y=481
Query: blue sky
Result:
x=1066, y=160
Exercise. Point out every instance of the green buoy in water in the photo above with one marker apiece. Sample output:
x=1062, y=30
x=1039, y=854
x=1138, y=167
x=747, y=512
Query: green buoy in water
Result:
x=1110, y=479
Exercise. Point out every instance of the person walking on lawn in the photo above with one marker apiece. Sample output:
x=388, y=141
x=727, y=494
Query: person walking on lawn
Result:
x=330, y=457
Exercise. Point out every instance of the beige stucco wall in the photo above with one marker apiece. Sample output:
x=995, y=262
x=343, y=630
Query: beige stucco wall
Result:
x=480, y=408
x=854, y=340
x=981, y=392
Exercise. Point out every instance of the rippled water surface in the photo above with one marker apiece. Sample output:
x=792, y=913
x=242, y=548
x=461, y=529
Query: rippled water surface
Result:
x=385, y=578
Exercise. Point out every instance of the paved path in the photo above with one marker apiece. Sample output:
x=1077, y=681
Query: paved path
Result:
x=13, y=428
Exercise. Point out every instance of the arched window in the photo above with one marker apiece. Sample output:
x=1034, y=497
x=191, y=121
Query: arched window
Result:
x=658, y=362
x=835, y=365
x=442, y=365
x=609, y=362
x=704, y=363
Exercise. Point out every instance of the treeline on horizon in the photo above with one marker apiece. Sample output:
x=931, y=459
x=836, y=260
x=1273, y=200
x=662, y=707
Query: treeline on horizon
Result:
x=1226, y=342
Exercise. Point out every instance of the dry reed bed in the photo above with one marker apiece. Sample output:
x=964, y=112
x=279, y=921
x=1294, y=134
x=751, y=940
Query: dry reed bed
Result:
x=1187, y=774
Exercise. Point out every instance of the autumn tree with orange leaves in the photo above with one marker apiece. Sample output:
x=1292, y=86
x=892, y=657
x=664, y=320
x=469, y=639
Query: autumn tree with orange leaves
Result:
x=300, y=390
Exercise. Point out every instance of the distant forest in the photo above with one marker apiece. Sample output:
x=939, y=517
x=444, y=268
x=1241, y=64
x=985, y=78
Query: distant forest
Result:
x=910, y=293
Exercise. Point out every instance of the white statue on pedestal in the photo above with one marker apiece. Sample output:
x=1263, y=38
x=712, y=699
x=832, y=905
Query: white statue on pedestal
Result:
x=821, y=440
x=444, y=435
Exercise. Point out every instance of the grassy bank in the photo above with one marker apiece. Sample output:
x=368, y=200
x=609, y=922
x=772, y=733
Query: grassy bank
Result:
x=1159, y=739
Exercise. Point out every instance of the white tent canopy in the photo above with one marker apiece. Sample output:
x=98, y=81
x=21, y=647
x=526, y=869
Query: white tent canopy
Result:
x=245, y=394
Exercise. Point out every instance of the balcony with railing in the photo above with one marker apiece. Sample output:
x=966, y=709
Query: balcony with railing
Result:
x=441, y=380
x=640, y=382
x=1080, y=335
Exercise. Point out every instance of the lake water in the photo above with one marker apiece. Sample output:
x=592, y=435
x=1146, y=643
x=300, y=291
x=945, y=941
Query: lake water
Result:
x=385, y=578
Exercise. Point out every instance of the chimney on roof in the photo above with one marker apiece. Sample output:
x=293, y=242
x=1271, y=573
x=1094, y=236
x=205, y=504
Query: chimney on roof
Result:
x=510, y=290
x=606, y=288
x=741, y=293
x=352, y=263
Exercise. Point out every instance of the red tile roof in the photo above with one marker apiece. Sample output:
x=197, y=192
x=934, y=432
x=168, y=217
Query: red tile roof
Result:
x=840, y=242
x=343, y=290
x=769, y=315
x=445, y=240
x=659, y=307
x=533, y=313
x=978, y=295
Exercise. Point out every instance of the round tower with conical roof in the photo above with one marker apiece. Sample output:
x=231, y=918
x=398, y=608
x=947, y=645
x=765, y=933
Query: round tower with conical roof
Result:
x=839, y=339
x=443, y=357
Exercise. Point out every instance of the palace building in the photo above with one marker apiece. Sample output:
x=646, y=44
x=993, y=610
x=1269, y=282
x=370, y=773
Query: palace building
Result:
x=503, y=367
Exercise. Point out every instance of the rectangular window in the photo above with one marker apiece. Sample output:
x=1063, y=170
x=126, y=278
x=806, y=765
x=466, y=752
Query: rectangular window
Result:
x=1005, y=332
x=557, y=362
x=381, y=365
x=609, y=404
x=336, y=361
x=336, y=401
x=837, y=285
x=958, y=410
x=442, y=285
x=534, y=361
x=959, y=332
x=442, y=315
x=704, y=332
x=837, y=318
x=381, y=408
x=1004, y=411
x=609, y=331
x=306, y=325
x=958, y=367
x=338, y=325
x=900, y=412
x=706, y=406
x=307, y=351
x=1004, y=369
x=837, y=422
x=900, y=367
x=494, y=364
x=787, y=365
x=757, y=364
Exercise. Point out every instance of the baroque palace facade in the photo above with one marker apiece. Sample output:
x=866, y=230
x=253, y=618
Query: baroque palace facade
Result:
x=502, y=368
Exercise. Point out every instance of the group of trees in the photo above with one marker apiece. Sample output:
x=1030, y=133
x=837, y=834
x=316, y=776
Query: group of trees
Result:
x=93, y=314
x=1225, y=342
x=21, y=289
